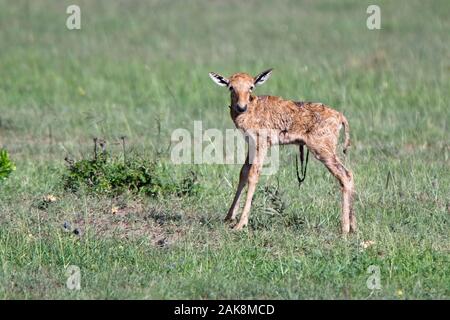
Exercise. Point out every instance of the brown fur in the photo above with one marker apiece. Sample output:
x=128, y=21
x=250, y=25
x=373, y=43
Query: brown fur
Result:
x=291, y=122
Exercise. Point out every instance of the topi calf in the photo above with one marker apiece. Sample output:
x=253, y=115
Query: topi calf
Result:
x=270, y=120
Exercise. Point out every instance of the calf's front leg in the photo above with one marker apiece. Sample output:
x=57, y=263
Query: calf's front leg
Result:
x=253, y=177
x=243, y=177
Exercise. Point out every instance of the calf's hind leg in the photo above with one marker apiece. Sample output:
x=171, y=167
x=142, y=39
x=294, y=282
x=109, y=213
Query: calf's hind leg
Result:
x=352, y=195
x=345, y=178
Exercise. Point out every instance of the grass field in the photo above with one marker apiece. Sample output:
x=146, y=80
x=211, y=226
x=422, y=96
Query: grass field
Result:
x=140, y=69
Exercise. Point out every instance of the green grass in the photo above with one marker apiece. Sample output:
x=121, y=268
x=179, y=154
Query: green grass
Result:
x=134, y=67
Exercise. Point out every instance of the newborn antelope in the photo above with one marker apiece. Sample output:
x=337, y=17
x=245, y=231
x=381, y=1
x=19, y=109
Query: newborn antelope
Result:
x=288, y=122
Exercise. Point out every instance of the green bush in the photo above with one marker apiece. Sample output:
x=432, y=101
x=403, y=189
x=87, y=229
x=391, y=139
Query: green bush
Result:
x=6, y=165
x=112, y=175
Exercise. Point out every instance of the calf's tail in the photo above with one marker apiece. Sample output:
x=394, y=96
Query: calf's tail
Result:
x=346, y=133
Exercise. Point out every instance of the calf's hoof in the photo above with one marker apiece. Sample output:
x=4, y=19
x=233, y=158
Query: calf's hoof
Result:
x=239, y=226
x=229, y=220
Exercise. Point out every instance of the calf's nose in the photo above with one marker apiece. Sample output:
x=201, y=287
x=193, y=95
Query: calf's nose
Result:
x=241, y=108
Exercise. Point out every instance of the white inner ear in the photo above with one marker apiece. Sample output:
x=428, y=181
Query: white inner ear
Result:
x=218, y=79
x=262, y=78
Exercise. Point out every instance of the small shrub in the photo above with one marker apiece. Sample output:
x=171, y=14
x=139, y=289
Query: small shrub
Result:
x=6, y=165
x=113, y=175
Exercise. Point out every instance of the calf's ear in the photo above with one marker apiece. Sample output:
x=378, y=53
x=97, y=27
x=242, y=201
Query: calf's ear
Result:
x=262, y=77
x=218, y=79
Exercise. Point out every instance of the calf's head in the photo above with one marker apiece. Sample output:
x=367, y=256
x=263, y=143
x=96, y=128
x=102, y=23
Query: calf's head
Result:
x=240, y=86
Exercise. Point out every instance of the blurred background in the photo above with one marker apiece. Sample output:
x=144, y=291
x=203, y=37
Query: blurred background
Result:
x=132, y=62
